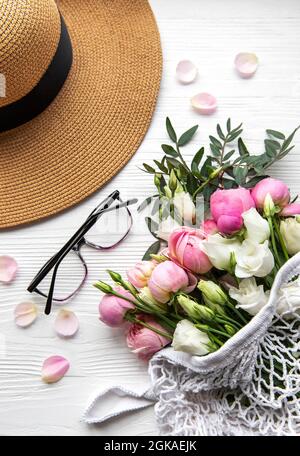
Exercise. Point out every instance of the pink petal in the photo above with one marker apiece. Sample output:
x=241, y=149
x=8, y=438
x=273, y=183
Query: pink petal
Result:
x=186, y=72
x=246, y=64
x=66, y=323
x=25, y=314
x=205, y=103
x=8, y=268
x=54, y=368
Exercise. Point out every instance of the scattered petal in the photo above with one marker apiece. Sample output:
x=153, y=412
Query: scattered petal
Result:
x=25, y=314
x=8, y=268
x=54, y=368
x=246, y=64
x=186, y=72
x=205, y=103
x=66, y=323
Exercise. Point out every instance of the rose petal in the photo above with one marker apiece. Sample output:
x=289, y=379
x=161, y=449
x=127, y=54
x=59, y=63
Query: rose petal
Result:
x=246, y=64
x=54, y=368
x=186, y=72
x=25, y=314
x=66, y=323
x=205, y=103
x=8, y=268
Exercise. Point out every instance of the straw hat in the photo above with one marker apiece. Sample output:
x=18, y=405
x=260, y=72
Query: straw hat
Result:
x=78, y=85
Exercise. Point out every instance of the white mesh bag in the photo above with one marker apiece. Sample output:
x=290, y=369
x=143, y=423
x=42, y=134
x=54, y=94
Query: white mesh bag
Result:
x=250, y=386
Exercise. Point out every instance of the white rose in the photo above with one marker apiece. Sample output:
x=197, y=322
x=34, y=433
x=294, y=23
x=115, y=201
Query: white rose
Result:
x=253, y=259
x=189, y=339
x=219, y=250
x=290, y=230
x=257, y=227
x=166, y=227
x=249, y=296
x=185, y=207
x=289, y=298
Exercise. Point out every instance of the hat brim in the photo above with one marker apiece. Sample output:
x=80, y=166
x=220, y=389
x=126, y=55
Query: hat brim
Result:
x=98, y=119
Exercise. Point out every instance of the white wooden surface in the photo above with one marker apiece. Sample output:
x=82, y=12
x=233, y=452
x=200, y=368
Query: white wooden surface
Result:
x=210, y=33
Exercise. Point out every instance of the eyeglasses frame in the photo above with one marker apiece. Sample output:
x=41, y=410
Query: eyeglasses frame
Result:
x=75, y=243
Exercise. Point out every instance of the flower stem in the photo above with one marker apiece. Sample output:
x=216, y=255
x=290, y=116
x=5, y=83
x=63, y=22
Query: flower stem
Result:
x=226, y=320
x=216, y=340
x=182, y=159
x=282, y=243
x=215, y=331
x=273, y=241
x=118, y=295
x=235, y=310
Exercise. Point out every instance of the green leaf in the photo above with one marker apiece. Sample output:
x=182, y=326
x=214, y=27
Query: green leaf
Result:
x=229, y=154
x=146, y=202
x=152, y=225
x=271, y=150
x=196, y=160
x=243, y=151
x=215, y=142
x=240, y=174
x=153, y=250
x=182, y=171
x=162, y=184
x=161, y=166
x=206, y=166
x=170, y=130
x=228, y=125
x=288, y=140
x=191, y=184
x=215, y=150
x=187, y=136
x=169, y=150
x=220, y=132
x=284, y=153
x=207, y=192
x=254, y=181
x=237, y=128
x=275, y=134
x=272, y=143
x=234, y=135
x=229, y=183
x=173, y=163
x=155, y=207
x=149, y=168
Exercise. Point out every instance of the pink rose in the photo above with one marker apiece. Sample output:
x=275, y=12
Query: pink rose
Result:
x=140, y=273
x=227, y=207
x=290, y=210
x=186, y=249
x=112, y=309
x=168, y=278
x=144, y=342
x=209, y=226
x=278, y=191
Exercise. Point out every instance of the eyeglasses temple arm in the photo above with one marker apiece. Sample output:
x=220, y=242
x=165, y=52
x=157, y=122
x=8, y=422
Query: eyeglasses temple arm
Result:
x=90, y=223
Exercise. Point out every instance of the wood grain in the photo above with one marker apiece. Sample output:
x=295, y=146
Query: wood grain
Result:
x=210, y=33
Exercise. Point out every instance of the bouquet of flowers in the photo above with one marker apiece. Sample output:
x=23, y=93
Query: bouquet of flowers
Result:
x=218, y=283
x=213, y=276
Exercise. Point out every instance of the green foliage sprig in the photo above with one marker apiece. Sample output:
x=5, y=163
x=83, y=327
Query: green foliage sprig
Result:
x=228, y=165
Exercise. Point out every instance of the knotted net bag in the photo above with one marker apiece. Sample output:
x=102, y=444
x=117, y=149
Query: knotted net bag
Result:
x=250, y=386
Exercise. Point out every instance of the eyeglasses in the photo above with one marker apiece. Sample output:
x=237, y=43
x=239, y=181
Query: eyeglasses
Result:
x=69, y=268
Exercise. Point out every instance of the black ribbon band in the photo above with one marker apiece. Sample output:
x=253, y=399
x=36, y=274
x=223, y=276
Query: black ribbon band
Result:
x=40, y=97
